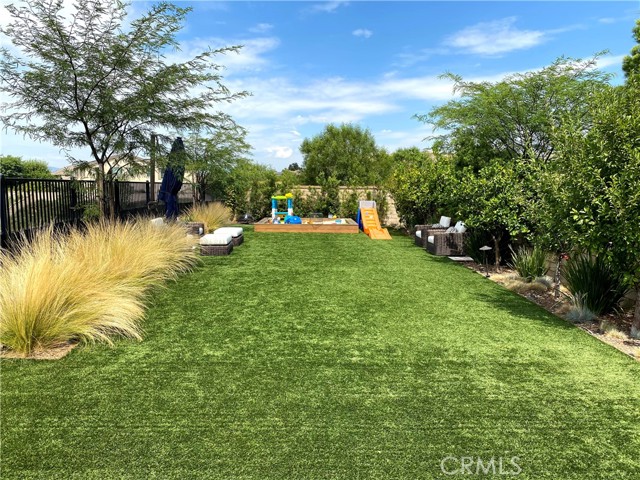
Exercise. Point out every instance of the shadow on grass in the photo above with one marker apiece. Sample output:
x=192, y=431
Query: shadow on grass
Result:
x=518, y=306
x=499, y=297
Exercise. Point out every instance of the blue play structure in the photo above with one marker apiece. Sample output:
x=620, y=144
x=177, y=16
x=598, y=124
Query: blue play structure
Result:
x=275, y=214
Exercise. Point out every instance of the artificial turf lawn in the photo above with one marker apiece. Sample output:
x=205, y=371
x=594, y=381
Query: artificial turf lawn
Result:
x=328, y=356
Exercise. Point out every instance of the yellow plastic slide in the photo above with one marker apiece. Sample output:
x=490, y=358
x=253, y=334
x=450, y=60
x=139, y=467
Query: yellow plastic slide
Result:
x=371, y=224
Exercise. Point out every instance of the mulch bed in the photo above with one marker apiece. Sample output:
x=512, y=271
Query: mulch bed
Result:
x=54, y=353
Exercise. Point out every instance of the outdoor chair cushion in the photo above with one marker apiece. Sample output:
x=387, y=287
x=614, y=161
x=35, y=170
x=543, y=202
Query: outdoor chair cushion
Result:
x=216, y=239
x=233, y=231
x=450, y=230
x=419, y=233
x=430, y=238
x=460, y=227
x=445, y=221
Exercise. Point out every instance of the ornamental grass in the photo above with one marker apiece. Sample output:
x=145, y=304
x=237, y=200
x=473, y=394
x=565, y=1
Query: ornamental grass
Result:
x=86, y=285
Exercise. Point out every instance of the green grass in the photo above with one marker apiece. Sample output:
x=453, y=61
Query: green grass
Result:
x=321, y=357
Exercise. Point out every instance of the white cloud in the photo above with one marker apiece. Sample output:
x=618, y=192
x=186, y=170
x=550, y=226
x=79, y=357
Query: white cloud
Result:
x=494, y=38
x=249, y=58
x=261, y=28
x=328, y=7
x=280, y=151
x=609, y=61
x=362, y=32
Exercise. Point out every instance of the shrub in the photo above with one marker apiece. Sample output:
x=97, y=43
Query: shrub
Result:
x=473, y=240
x=85, y=285
x=213, y=215
x=530, y=263
x=580, y=312
x=349, y=206
x=594, y=281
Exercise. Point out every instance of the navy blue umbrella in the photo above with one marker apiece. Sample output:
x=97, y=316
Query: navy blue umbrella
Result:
x=172, y=179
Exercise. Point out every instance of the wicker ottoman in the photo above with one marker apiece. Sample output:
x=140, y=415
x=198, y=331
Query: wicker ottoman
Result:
x=194, y=228
x=216, y=245
x=236, y=232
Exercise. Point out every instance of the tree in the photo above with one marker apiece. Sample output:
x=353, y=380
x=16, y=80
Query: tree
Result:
x=211, y=159
x=287, y=180
x=631, y=63
x=294, y=167
x=94, y=82
x=347, y=153
x=601, y=179
x=421, y=185
x=493, y=201
x=36, y=169
x=514, y=118
x=13, y=166
x=251, y=188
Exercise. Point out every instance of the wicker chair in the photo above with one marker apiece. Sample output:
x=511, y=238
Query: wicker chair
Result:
x=446, y=244
x=420, y=239
x=425, y=230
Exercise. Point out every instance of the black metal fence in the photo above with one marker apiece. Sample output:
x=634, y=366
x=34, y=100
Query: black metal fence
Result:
x=27, y=204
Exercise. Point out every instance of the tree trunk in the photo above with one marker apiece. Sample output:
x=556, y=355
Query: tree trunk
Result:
x=635, y=326
x=112, y=200
x=102, y=201
x=556, y=278
x=496, y=247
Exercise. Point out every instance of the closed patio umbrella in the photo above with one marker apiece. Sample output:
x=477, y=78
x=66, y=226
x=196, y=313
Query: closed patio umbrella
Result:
x=172, y=179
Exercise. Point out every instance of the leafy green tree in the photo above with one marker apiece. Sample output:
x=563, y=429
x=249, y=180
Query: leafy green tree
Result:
x=600, y=173
x=11, y=166
x=211, y=159
x=294, y=167
x=251, y=188
x=631, y=63
x=515, y=117
x=421, y=185
x=347, y=153
x=36, y=169
x=493, y=201
x=287, y=180
x=101, y=83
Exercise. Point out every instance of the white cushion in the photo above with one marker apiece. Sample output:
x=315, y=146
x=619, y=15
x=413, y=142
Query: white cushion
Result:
x=460, y=227
x=445, y=221
x=450, y=230
x=430, y=239
x=233, y=231
x=157, y=222
x=419, y=233
x=216, y=239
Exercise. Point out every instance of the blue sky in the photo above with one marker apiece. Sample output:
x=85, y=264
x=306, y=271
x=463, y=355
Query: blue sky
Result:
x=374, y=63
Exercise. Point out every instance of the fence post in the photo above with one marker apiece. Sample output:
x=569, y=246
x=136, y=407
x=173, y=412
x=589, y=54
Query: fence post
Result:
x=3, y=214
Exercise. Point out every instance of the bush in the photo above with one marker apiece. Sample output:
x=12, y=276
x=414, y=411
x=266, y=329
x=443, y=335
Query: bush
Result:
x=213, y=215
x=349, y=206
x=593, y=281
x=530, y=263
x=580, y=311
x=86, y=285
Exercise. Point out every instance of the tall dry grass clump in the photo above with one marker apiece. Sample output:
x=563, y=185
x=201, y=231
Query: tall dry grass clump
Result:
x=86, y=285
x=213, y=215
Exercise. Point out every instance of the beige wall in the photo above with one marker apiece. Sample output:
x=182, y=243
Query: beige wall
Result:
x=391, y=219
